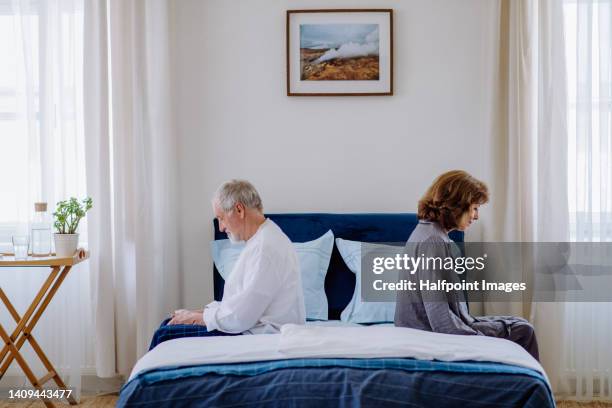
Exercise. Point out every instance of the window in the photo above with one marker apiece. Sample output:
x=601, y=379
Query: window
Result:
x=42, y=158
x=41, y=119
x=588, y=38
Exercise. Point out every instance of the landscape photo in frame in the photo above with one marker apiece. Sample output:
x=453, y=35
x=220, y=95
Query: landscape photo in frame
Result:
x=336, y=52
x=339, y=52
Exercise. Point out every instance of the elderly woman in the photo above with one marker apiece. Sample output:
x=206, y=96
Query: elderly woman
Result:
x=451, y=203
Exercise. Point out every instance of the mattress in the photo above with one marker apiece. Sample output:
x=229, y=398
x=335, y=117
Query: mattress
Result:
x=331, y=364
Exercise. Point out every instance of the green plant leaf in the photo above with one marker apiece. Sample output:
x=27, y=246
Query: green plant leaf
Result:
x=69, y=213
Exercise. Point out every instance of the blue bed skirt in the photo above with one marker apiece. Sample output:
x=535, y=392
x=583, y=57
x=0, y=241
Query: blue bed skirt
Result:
x=339, y=383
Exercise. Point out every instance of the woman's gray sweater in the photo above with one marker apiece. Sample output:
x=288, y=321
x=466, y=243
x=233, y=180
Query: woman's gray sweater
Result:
x=439, y=311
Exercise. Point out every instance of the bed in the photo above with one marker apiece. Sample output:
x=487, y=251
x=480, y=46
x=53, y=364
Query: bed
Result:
x=334, y=363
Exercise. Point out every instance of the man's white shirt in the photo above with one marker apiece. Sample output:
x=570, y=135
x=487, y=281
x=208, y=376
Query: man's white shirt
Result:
x=264, y=290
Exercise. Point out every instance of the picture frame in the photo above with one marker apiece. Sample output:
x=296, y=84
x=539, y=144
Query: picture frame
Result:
x=339, y=52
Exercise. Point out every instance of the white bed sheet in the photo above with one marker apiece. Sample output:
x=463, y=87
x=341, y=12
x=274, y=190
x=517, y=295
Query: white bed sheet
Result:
x=335, y=340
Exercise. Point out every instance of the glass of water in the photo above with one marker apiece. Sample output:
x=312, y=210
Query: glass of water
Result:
x=20, y=247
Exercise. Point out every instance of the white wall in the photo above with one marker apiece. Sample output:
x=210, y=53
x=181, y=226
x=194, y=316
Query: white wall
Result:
x=334, y=154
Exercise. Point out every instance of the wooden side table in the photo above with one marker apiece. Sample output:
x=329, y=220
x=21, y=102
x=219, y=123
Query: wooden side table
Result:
x=26, y=323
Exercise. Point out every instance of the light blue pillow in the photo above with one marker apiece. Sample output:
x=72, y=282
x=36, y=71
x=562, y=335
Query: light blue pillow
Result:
x=358, y=311
x=313, y=257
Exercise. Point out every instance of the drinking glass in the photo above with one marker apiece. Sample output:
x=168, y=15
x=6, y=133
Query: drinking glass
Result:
x=20, y=247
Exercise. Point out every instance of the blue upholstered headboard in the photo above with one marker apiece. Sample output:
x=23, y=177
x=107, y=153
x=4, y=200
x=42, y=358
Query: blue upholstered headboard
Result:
x=340, y=281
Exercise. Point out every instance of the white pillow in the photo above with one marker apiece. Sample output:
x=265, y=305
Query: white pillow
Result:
x=358, y=311
x=313, y=257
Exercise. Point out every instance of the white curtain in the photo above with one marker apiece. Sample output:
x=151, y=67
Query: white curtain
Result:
x=587, y=360
x=42, y=159
x=132, y=175
x=529, y=150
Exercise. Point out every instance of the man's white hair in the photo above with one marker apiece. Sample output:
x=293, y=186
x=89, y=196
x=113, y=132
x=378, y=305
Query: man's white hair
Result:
x=237, y=191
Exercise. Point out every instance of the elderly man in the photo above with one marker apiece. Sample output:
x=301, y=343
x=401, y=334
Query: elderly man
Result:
x=264, y=290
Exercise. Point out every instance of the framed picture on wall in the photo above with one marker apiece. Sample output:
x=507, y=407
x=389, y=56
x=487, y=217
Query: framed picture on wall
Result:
x=339, y=52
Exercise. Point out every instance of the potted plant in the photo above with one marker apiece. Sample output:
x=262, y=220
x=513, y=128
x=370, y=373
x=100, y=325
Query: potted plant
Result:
x=67, y=215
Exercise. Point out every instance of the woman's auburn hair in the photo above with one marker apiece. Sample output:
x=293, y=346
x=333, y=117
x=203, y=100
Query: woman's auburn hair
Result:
x=450, y=196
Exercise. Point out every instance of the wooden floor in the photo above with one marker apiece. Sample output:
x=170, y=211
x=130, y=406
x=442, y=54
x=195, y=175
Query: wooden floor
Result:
x=101, y=401
x=109, y=401
x=574, y=404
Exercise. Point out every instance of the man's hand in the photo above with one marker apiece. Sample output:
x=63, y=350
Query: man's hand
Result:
x=184, y=316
